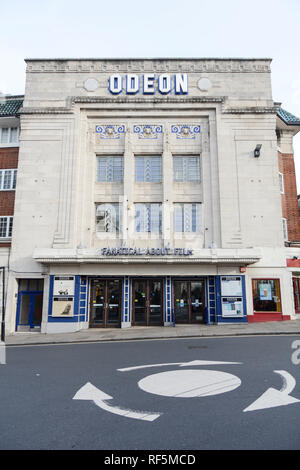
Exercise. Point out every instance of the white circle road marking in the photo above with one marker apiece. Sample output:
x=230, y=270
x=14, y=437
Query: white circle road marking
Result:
x=189, y=383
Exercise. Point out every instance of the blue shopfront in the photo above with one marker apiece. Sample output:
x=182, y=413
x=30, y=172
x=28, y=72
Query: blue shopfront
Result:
x=81, y=301
x=95, y=301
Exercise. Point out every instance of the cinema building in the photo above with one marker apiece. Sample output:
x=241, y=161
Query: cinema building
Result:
x=149, y=193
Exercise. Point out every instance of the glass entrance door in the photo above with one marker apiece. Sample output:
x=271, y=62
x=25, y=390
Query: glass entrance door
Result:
x=106, y=300
x=189, y=301
x=30, y=303
x=197, y=301
x=147, y=302
x=181, y=302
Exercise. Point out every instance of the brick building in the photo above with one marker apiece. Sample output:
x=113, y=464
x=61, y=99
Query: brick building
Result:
x=9, y=154
x=288, y=126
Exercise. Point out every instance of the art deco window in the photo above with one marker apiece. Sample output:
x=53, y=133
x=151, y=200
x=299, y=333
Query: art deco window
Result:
x=110, y=169
x=9, y=135
x=6, y=224
x=148, y=169
x=186, y=168
x=148, y=218
x=266, y=295
x=108, y=218
x=8, y=179
x=187, y=217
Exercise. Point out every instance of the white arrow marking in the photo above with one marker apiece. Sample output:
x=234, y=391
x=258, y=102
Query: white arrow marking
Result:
x=90, y=392
x=272, y=397
x=181, y=364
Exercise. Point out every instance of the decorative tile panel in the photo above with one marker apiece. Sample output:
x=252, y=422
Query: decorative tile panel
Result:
x=185, y=131
x=110, y=131
x=147, y=131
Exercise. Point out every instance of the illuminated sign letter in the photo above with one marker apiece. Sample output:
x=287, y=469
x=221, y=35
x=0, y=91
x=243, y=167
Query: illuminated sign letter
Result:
x=164, y=84
x=181, y=84
x=115, y=84
x=149, y=83
x=132, y=84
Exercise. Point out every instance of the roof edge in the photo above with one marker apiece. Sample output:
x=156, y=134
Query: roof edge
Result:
x=61, y=59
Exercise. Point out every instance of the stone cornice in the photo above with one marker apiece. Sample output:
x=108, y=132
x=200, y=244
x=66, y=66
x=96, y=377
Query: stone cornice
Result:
x=48, y=110
x=87, y=100
x=158, y=65
x=251, y=110
x=113, y=100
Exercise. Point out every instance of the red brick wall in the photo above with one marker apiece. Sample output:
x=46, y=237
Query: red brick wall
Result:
x=8, y=159
x=289, y=200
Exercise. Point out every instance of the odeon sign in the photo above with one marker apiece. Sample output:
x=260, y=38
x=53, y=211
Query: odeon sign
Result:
x=149, y=83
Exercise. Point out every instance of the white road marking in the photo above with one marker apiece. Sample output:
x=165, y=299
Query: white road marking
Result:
x=181, y=364
x=90, y=392
x=189, y=383
x=272, y=398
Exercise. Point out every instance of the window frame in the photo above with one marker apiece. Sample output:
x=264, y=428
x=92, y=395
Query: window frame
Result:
x=114, y=168
x=196, y=223
x=144, y=179
x=116, y=226
x=185, y=176
x=150, y=223
x=9, y=142
x=13, y=179
x=281, y=182
x=264, y=280
x=285, y=229
x=8, y=228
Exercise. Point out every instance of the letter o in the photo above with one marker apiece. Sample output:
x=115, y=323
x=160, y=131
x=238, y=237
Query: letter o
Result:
x=115, y=84
x=164, y=84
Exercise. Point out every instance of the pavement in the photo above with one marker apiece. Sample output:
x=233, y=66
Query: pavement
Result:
x=288, y=327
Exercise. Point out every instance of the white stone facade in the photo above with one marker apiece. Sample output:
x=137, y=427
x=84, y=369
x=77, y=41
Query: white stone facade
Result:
x=226, y=112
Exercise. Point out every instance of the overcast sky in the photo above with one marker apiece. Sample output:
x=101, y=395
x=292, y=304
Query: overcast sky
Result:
x=155, y=28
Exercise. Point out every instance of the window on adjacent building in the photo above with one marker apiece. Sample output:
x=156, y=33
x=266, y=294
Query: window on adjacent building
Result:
x=8, y=179
x=266, y=295
x=148, y=218
x=281, y=183
x=186, y=168
x=187, y=217
x=285, y=230
x=9, y=135
x=110, y=169
x=6, y=224
x=108, y=218
x=148, y=169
